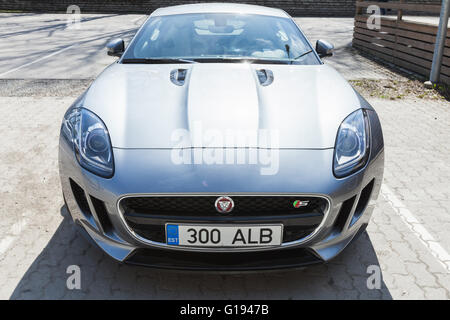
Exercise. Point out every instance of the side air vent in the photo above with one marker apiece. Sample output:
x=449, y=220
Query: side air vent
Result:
x=102, y=214
x=363, y=201
x=344, y=214
x=265, y=77
x=178, y=76
x=80, y=198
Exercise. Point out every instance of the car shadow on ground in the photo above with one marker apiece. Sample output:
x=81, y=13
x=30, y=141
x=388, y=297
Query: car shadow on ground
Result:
x=102, y=278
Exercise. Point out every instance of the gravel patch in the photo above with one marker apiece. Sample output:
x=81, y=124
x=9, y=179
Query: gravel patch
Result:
x=398, y=89
x=43, y=87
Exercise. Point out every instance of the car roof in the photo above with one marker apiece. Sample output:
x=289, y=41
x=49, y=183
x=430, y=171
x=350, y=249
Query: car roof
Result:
x=220, y=8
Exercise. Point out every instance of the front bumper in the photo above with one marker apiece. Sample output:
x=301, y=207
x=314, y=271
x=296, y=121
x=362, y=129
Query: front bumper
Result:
x=94, y=205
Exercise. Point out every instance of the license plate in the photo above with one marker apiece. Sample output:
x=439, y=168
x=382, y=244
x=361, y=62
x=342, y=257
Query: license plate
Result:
x=224, y=236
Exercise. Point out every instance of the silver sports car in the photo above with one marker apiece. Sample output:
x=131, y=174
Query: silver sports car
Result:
x=219, y=140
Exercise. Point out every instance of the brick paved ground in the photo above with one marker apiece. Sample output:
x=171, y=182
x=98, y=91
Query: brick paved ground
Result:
x=38, y=241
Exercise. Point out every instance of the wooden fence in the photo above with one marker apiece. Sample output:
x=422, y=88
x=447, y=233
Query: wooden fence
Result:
x=409, y=45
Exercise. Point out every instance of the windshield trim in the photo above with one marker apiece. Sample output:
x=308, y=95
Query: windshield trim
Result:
x=191, y=60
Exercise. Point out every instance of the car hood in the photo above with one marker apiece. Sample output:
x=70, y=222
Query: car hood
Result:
x=221, y=105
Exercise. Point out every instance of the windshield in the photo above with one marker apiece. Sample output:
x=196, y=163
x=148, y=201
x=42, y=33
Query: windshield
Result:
x=218, y=36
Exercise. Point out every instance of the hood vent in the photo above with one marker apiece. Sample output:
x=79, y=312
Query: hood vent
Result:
x=265, y=77
x=178, y=76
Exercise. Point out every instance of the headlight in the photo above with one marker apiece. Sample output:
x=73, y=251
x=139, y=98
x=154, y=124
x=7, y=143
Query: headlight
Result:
x=352, y=144
x=90, y=140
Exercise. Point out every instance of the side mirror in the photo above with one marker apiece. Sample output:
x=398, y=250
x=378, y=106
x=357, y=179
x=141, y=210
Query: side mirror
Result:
x=324, y=48
x=115, y=47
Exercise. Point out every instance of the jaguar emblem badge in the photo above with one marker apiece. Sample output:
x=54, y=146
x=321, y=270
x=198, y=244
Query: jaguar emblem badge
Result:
x=224, y=204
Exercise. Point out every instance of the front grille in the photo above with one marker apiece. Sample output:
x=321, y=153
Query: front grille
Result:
x=244, y=206
x=147, y=216
x=157, y=233
x=154, y=232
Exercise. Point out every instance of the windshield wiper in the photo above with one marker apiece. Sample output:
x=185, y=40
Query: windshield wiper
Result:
x=302, y=55
x=158, y=60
